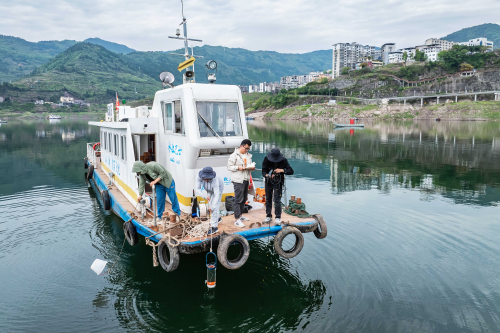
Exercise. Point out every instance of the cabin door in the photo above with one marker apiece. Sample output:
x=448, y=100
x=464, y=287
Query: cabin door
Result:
x=145, y=147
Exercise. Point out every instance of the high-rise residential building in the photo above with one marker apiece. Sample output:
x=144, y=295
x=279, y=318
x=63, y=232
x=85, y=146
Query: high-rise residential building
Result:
x=444, y=44
x=347, y=54
x=385, y=50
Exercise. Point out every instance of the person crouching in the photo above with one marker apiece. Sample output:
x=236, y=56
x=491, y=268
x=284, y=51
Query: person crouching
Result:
x=210, y=187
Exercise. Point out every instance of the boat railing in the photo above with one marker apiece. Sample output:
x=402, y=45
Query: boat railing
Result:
x=93, y=154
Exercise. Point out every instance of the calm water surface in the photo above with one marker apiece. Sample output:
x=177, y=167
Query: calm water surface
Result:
x=413, y=218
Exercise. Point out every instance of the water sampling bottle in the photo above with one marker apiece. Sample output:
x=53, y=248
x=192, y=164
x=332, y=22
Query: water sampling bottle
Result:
x=211, y=270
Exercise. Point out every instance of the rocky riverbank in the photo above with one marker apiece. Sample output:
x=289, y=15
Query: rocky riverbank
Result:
x=467, y=110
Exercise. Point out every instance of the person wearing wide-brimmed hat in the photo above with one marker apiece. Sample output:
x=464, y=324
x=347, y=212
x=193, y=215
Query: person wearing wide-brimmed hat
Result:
x=274, y=168
x=210, y=187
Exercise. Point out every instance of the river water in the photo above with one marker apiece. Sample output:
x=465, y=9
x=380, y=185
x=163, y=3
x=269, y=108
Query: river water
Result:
x=413, y=224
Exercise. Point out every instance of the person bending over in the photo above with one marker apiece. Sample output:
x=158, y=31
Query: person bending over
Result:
x=163, y=182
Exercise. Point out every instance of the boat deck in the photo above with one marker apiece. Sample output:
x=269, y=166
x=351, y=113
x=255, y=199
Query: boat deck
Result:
x=124, y=208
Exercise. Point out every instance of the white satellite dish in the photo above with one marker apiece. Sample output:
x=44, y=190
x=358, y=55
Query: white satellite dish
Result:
x=167, y=78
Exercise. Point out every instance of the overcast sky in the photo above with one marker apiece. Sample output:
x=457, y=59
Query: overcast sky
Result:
x=293, y=26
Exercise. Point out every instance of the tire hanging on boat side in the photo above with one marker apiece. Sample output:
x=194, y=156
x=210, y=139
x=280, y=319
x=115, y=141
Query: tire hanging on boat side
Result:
x=223, y=248
x=130, y=233
x=90, y=173
x=296, y=248
x=165, y=250
x=106, y=201
x=85, y=161
x=321, y=230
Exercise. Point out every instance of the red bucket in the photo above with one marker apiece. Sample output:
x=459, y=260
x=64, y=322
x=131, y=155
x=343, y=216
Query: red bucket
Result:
x=351, y=121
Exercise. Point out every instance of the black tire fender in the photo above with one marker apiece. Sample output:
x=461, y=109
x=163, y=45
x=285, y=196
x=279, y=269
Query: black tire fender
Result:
x=90, y=173
x=130, y=233
x=106, y=200
x=321, y=230
x=223, y=248
x=297, y=247
x=164, y=251
x=85, y=161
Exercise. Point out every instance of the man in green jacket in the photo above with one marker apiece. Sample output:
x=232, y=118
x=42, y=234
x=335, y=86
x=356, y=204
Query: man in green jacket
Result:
x=163, y=182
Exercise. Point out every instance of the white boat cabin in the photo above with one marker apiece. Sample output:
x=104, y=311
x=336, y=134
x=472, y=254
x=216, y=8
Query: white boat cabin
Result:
x=174, y=133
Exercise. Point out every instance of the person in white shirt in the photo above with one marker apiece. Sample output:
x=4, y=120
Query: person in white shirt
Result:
x=240, y=164
x=210, y=187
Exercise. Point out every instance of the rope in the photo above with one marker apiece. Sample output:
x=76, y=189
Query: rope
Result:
x=295, y=207
x=153, y=244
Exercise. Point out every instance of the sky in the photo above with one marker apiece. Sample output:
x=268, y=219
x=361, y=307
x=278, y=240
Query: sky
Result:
x=289, y=26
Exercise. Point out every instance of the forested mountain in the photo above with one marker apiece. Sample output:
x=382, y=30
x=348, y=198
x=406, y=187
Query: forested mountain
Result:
x=113, y=47
x=86, y=71
x=93, y=73
x=19, y=57
x=488, y=30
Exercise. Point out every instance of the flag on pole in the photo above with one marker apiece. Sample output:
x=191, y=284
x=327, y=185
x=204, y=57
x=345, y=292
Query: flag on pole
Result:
x=117, y=101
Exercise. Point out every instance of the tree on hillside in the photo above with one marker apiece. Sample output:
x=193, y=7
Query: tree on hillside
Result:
x=344, y=71
x=466, y=67
x=405, y=57
x=420, y=55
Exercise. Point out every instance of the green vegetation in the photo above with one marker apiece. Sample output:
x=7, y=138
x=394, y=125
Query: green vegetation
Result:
x=488, y=30
x=459, y=54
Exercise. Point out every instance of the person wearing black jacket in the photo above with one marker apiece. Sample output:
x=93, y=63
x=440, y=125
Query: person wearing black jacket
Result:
x=274, y=168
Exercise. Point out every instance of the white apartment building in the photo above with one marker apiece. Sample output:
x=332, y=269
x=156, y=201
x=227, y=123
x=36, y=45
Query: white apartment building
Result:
x=444, y=44
x=347, y=54
x=478, y=42
x=385, y=50
x=395, y=57
x=253, y=88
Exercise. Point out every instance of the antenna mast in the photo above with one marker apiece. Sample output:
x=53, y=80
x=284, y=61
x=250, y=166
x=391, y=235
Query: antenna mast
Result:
x=186, y=54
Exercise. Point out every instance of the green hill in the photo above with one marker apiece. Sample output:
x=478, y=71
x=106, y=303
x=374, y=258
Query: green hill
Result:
x=113, y=47
x=86, y=71
x=235, y=65
x=19, y=57
x=488, y=30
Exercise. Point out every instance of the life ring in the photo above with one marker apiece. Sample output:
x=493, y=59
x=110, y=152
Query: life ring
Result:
x=223, y=248
x=168, y=256
x=106, y=201
x=90, y=173
x=130, y=233
x=95, y=146
x=321, y=230
x=296, y=248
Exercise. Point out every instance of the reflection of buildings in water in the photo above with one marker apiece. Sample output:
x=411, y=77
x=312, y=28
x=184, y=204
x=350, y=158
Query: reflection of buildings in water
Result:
x=3, y=137
x=43, y=134
x=68, y=136
x=54, y=121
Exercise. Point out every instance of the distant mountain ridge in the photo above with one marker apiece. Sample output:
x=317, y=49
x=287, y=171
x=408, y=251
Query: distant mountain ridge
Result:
x=113, y=47
x=488, y=30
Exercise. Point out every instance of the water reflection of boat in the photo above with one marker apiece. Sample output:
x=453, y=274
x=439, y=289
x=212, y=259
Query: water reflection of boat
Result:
x=350, y=125
x=54, y=121
x=3, y=121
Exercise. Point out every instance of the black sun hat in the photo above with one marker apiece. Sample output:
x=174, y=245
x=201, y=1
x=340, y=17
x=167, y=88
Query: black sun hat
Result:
x=275, y=155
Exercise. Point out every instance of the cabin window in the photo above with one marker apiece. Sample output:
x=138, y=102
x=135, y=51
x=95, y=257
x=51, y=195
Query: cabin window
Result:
x=117, y=151
x=124, y=148
x=222, y=118
x=110, y=149
x=167, y=113
x=179, y=121
x=103, y=140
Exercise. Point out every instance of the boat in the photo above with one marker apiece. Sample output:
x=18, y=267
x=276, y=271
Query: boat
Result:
x=54, y=116
x=189, y=126
x=3, y=121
